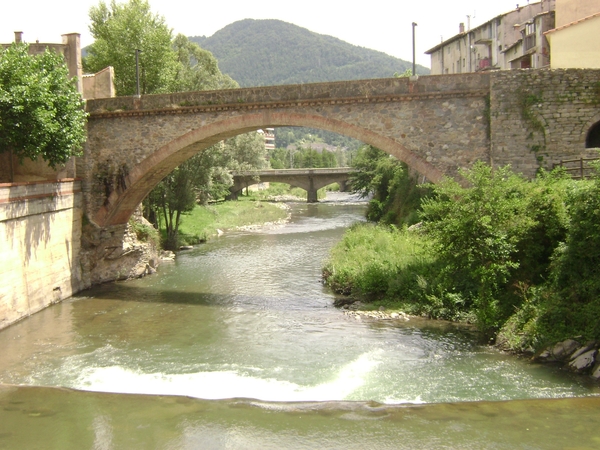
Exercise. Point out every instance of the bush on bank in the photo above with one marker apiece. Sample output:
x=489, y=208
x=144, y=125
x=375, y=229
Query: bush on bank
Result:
x=519, y=258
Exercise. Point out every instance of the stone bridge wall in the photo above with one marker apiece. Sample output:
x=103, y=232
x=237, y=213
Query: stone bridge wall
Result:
x=539, y=117
x=434, y=124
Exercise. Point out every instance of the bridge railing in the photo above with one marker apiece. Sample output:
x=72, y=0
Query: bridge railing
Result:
x=578, y=168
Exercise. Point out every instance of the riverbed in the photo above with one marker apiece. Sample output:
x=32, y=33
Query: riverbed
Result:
x=237, y=345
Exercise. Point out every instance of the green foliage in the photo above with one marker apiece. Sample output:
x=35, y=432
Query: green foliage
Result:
x=41, y=112
x=476, y=232
x=396, y=195
x=205, y=176
x=406, y=74
x=145, y=232
x=281, y=158
x=285, y=136
x=572, y=305
x=270, y=52
x=203, y=221
x=521, y=259
x=120, y=29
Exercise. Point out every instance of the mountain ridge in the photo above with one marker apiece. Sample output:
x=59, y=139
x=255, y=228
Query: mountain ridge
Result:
x=270, y=52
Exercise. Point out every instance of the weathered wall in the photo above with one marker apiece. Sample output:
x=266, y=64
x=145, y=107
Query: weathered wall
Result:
x=539, y=117
x=568, y=11
x=100, y=84
x=33, y=170
x=40, y=235
x=435, y=124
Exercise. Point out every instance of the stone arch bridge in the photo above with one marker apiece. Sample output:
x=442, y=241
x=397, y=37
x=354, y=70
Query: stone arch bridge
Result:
x=311, y=180
x=435, y=124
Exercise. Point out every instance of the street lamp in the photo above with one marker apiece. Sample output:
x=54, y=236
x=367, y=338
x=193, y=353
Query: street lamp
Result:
x=137, y=71
x=414, y=68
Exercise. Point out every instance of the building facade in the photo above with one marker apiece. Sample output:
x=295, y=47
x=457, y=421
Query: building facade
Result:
x=574, y=41
x=511, y=40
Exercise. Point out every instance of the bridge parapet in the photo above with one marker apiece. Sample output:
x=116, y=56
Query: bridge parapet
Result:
x=385, y=89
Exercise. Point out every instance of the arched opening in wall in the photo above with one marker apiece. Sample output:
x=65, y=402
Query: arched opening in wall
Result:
x=119, y=204
x=593, y=137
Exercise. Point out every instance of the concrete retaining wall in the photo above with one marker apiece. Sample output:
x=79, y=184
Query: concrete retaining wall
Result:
x=40, y=239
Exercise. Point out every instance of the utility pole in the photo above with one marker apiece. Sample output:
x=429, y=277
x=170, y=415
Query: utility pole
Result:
x=414, y=67
x=137, y=71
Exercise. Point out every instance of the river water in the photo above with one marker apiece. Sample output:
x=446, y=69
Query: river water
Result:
x=241, y=348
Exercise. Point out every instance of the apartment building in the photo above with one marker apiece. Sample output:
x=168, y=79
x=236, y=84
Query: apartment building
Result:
x=511, y=40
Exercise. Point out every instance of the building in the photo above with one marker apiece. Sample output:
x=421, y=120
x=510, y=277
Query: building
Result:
x=574, y=43
x=98, y=85
x=509, y=41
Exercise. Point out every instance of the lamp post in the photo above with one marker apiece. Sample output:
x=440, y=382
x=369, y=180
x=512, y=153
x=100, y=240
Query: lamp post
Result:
x=137, y=71
x=414, y=67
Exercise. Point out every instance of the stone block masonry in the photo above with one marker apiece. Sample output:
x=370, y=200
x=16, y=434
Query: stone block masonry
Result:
x=539, y=117
x=40, y=239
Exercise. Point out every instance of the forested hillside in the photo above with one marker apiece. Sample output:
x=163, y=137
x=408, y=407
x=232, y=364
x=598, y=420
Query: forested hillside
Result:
x=269, y=52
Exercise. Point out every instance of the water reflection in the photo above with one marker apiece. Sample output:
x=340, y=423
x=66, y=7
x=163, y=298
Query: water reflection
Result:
x=63, y=419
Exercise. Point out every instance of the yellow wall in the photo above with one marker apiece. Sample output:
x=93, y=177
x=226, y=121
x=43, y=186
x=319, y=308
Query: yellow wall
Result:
x=576, y=46
x=40, y=240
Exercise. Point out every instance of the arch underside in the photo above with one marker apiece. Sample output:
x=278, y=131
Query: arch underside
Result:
x=146, y=175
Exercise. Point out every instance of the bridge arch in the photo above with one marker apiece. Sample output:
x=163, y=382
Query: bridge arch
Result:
x=142, y=178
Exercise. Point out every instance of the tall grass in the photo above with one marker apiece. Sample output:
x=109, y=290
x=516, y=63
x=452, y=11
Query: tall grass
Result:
x=371, y=259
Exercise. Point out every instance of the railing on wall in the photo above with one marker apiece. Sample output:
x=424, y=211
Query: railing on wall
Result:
x=578, y=168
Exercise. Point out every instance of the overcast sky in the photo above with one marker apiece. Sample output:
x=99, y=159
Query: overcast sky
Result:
x=383, y=25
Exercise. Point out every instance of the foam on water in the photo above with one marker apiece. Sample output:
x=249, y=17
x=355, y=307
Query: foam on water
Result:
x=227, y=384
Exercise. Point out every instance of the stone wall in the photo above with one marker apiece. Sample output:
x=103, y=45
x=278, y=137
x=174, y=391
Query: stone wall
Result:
x=435, y=124
x=40, y=235
x=540, y=117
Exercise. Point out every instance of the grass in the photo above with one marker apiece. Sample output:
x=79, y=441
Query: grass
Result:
x=203, y=221
x=370, y=258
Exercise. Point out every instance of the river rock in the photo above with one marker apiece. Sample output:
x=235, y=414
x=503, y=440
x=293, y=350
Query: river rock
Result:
x=583, y=361
x=590, y=345
x=167, y=255
x=596, y=371
x=563, y=350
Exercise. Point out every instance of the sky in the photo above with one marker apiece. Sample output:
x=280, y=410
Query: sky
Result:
x=383, y=25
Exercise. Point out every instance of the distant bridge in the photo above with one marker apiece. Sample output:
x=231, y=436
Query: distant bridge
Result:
x=311, y=180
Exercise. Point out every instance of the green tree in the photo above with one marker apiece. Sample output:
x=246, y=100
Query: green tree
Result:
x=41, y=112
x=396, y=195
x=204, y=177
x=476, y=232
x=119, y=30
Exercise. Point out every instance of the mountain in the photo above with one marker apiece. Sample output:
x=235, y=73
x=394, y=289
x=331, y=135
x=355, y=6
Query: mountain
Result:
x=271, y=52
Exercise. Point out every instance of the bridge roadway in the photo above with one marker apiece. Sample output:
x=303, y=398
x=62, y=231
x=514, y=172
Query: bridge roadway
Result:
x=311, y=180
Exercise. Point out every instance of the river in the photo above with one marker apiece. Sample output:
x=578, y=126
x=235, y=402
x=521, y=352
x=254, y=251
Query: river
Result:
x=240, y=348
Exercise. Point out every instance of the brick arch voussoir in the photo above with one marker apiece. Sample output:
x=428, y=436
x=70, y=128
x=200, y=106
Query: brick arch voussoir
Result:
x=146, y=175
